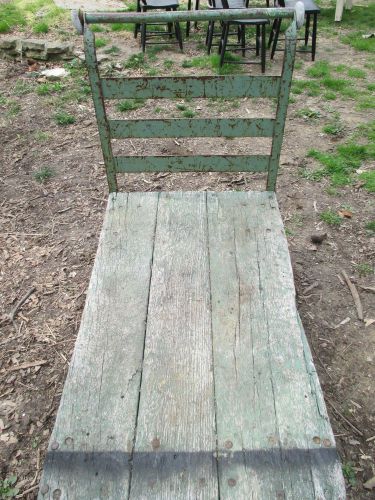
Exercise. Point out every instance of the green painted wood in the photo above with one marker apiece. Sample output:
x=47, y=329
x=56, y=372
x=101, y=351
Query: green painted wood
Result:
x=100, y=112
x=91, y=444
x=204, y=127
x=175, y=443
x=215, y=163
x=198, y=15
x=274, y=436
x=282, y=106
x=191, y=87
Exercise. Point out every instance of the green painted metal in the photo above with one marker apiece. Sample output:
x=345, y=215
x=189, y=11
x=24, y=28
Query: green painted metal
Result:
x=204, y=127
x=215, y=163
x=282, y=106
x=198, y=15
x=101, y=117
x=191, y=87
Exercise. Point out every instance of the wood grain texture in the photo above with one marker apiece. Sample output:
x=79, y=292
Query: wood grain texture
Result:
x=192, y=376
x=92, y=439
x=175, y=443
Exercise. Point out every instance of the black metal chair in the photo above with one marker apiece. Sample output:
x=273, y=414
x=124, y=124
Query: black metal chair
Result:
x=173, y=29
x=260, y=40
x=211, y=33
x=311, y=10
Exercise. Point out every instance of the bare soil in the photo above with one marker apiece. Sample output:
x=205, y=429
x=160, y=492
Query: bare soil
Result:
x=49, y=235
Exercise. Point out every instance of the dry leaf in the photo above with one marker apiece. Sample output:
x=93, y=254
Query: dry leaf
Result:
x=369, y=321
x=345, y=213
x=370, y=483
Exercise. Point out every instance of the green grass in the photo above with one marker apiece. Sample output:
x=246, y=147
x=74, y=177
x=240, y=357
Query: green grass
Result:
x=13, y=108
x=22, y=87
x=41, y=27
x=319, y=70
x=49, y=88
x=7, y=487
x=371, y=87
x=212, y=62
x=369, y=179
x=312, y=88
x=349, y=473
x=96, y=28
x=364, y=269
x=112, y=50
x=308, y=114
x=168, y=63
x=122, y=27
x=100, y=42
x=181, y=107
x=21, y=13
x=335, y=126
x=359, y=43
x=365, y=102
x=331, y=218
x=135, y=61
x=336, y=84
x=329, y=96
x=370, y=226
x=41, y=136
x=63, y=118
x=188, y=113
x=43, y=174
x=130, y=105
x=356, y=73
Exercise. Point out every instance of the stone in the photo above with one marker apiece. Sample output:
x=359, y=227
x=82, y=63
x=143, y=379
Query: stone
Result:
x=9, y=43
x=36, y=54
x=33, y=44
x=58, y=47
x=55, y=73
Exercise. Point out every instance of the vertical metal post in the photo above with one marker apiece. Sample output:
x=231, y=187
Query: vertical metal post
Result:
x=282, y=106
x=97, y=95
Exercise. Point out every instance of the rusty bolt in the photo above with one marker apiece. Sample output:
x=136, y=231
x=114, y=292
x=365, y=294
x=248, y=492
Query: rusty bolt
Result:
x=228, y=444
x=54, y=445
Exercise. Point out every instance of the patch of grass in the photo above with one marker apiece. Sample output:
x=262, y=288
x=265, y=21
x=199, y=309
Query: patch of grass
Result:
x=20, y=13
x=122, y=27
x=41, y=136
x=359, y=43
x=365, y=102
x=7, y=487
x=14, y=108
x=157, y=110
x=22, y=87
x=308, y=114
x=340, y=68
x=135, y=61
x=100, y=42
x=319, y=69
x=312, y=88
x=329, y=96
x=298, y=64
x=371, y=87
x=112, y=50
x=364, y=269
x=49, y=88
x=181, y=107
x=331, y=218
x=212, y=62
x=63, y=118
x=168, y=63
x=130, y=105
x=335, y=84
x=349, y=473
x=335, y=126
x=370, y=226
x=331, y=191
x=43, y=174
x=41, y=27
x=356, y=73
x=188, y=113
x=96, y=28
x=369, y=178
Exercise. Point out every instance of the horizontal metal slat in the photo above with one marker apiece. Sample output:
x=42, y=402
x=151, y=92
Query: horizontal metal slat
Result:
x=215, y=163
x=205, y=127
x=187, y=87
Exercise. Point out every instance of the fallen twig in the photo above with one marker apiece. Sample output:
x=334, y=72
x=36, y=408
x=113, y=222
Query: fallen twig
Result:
x=344, y=418
x=29, y=490
x=20, y=303
x=368, y=288
x=355, y=295
x=23, y=366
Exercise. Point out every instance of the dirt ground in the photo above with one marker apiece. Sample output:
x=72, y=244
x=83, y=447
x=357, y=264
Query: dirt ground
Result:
x=49, y=234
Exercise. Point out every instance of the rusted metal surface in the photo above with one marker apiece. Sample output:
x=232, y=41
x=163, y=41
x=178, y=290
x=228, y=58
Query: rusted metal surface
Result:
x=191, y=87
x=186, y=127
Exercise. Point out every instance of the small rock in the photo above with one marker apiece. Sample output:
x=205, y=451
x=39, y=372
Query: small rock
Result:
x=55, y=73
x=9, y=43
x=318, y=237
x=58, y=47
x=370, y=484
x=33, y=44
x=36, y=54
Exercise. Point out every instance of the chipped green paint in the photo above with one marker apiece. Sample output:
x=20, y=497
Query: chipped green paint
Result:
x=192, y=87
x=215, y=163
x=205, y=127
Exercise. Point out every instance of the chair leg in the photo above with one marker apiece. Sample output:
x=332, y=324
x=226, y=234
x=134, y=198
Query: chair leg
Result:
x=314, y=35
x=196, y=8
x=276, y=37
x=143, y=36
x=243, y=40
x=307, y=29
x=272, y=33
x=263, y=48
x=257, y=40
x=137, y=27
x=210, y=34
x=178, y=33
x=223, y=43
x=188, y=22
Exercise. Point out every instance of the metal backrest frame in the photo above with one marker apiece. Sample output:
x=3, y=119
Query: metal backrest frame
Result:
x=193, y=87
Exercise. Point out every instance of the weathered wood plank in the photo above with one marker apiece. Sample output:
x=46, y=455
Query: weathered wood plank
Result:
x=175, y=443
x=191, y=87
x=214, y=163
x=198, y=127
x=92, y=439
x=269, y=413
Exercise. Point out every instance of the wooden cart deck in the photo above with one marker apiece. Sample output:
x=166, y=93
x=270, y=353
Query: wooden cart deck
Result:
x=191, y=376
